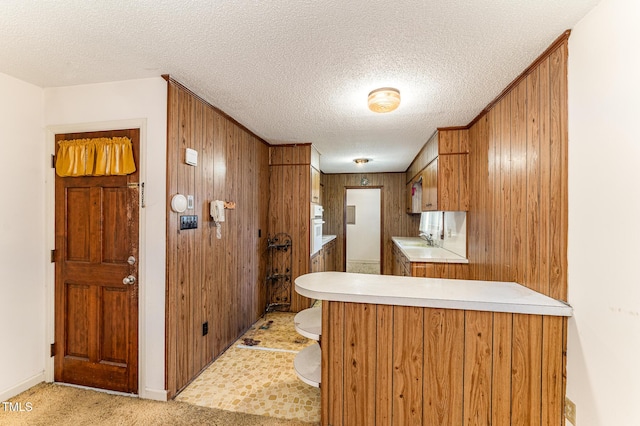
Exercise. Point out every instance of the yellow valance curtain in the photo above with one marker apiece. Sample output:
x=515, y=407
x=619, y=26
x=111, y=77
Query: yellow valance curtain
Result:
x=95, y=157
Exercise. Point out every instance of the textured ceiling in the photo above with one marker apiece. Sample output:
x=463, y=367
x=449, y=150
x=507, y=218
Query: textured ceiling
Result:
x=298, y=70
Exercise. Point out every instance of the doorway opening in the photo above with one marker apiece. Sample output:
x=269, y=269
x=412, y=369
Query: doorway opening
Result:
x=363, y=230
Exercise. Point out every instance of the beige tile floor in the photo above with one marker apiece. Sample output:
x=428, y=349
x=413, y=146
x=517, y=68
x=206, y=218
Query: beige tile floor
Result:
x=259, y=379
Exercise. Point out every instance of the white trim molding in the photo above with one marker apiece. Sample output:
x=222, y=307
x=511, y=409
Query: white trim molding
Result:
x=22, y=386
x=51, y=131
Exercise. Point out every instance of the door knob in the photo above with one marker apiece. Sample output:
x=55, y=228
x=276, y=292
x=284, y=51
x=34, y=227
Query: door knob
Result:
x=129, y=280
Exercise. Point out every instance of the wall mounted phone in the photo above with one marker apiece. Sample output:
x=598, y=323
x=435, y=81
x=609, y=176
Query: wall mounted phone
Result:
x=217, y=211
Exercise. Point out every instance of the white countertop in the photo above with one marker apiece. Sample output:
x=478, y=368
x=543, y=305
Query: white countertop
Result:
x=417, y=250
x=494, y=296
x=327, y=238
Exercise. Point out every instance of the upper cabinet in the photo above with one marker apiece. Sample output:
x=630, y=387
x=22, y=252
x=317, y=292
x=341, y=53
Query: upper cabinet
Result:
x=315, y=176
x=438, y=178
x=430, y=187
x=315, y=185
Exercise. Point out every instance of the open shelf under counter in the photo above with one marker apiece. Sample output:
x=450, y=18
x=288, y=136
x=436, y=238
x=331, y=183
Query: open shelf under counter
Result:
x=309, y=323
x=307, y=365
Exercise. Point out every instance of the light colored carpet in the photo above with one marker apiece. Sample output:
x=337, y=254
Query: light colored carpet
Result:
x=54, y=405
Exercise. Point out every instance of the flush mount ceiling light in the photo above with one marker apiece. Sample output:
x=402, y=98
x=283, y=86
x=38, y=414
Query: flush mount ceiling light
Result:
x=385, y=99
x=361, y=160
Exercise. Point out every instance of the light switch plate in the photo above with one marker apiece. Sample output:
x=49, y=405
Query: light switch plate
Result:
x=188, y=222
x=190, y=202
x=191, y=157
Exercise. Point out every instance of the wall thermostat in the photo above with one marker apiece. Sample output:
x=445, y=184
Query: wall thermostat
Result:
x=179, y=203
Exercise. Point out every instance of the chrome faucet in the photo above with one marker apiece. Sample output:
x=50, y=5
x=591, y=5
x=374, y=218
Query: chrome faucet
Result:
x=427, y=237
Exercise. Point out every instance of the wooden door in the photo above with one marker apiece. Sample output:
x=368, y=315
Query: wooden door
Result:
x=96, y=314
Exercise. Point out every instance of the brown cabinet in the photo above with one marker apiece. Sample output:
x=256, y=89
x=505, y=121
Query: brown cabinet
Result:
x=329, y=256
x=289, y=207
x=400, y=263
x=403, y=267
x=315, y=185
x=317, y=262
x=430, y=187
x=442, y=170
x=325, y=258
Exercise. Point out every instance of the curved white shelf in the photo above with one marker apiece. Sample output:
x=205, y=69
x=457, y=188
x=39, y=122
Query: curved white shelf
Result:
x=309, y=323
x=307, y=365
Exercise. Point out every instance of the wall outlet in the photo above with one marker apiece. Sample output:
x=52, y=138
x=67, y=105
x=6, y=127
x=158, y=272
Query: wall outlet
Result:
x=570, y=411
x=205, y=328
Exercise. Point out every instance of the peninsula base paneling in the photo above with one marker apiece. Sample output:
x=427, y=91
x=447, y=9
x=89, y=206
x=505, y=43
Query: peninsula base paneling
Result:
x=399, y=365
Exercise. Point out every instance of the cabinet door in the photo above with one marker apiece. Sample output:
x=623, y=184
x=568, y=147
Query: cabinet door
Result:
x=400, y=263
x=329, y=256
x=315, y=185
x=396, y=261
x=453, y=188
x=316, y=262
x=430, y=187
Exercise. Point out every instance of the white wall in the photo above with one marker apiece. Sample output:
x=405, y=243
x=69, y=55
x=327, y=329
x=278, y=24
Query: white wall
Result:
x=603, y=364
x=22, y=254
x=86, y=107
x=363, y=238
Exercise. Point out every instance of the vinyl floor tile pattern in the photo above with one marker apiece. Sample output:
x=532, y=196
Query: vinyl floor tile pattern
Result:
x=256, y=376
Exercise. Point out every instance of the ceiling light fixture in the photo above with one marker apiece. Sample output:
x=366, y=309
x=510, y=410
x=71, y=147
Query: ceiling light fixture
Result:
x=385, y=99
x=361, y=160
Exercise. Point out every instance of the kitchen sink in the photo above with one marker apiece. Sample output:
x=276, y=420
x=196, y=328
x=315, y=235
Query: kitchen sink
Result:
x=414, y=244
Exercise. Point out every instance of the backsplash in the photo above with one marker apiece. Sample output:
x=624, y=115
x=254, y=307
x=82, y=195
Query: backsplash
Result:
x=454, y=227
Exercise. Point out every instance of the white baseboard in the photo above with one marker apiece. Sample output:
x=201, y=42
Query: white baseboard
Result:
x=22, y=386
x=154, y=394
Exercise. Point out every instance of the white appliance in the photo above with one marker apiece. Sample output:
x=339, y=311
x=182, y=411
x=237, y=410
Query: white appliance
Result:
x=316, y=228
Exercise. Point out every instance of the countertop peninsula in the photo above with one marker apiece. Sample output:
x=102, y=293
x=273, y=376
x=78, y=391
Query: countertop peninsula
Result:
x=492, y=296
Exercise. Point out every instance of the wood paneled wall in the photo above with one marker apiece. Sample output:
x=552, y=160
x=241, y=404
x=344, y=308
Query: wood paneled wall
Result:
x=517, y=221
x=220, y=281
x=400, y=365
x=395, y=221
x=517, y=226
x=290, y=207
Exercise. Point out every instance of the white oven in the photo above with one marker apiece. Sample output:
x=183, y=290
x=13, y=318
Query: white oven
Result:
x=316, y=228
